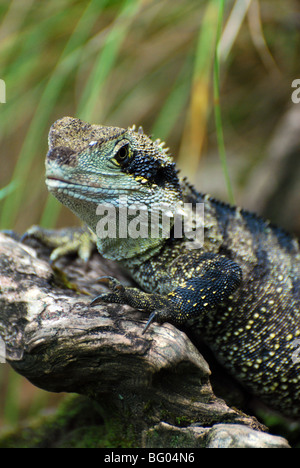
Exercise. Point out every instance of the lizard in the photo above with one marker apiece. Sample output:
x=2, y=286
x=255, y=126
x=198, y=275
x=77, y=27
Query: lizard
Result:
x=239, y=289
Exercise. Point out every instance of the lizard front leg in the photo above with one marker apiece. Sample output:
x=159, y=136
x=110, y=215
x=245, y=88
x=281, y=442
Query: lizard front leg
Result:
x=217, y=278
x=154, y=303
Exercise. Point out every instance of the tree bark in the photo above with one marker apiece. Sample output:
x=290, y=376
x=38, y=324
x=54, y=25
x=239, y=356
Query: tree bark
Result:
x=54, y=338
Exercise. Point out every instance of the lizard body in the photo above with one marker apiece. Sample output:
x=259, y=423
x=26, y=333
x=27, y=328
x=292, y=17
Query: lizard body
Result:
x=239, y=290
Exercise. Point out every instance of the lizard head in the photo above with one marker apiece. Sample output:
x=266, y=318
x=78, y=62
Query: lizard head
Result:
x=94, y=170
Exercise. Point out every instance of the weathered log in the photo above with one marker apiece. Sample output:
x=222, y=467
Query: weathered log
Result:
x=57, y=341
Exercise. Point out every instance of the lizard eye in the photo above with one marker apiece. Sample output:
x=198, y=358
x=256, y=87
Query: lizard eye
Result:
x=123, y=154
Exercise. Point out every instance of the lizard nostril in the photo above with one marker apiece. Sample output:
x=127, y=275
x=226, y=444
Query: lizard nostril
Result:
x=62, y=155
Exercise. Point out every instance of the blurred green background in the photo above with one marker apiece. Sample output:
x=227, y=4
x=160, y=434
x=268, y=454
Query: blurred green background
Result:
x=210, y=77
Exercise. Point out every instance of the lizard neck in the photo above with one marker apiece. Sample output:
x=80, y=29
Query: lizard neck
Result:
x=129, y=252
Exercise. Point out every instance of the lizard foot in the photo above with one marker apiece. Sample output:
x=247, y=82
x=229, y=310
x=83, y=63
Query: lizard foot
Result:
x=64, y=241
x=161, y=308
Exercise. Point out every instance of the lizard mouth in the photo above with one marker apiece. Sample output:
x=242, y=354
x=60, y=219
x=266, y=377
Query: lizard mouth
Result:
x=92, y=192
x=58, y=184
x=55, y=178
x=62, y=188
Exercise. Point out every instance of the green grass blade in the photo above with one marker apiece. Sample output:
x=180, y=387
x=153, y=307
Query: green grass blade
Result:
x=232, y=28
x=217, y=108
x=173, y=104
x=5, y=191
x=196, y=120
x=87, y=109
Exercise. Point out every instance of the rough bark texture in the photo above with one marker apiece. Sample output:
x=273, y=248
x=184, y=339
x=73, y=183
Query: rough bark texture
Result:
x=158, y=381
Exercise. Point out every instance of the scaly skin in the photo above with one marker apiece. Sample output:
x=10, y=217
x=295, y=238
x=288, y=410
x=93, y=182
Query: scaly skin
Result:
x=240, y=290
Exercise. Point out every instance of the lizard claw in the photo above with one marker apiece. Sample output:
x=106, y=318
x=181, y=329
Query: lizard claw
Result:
x=150, y=320
x=24, y=237
x=117, y=294
x=98, y=299
x=111, y=283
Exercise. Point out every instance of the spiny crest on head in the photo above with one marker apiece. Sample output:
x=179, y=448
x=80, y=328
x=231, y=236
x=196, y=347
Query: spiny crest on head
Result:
x=155, y=148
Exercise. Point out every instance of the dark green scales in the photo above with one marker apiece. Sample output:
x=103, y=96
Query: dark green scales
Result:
x=241, y=289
